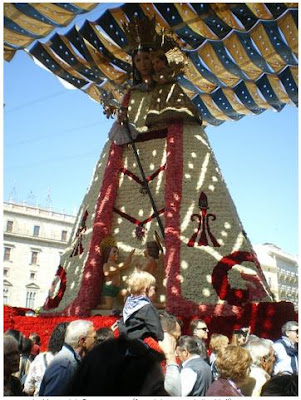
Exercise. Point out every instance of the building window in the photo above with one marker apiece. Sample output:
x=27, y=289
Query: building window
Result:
x=7, y=253
x=64, y=236
x=34, y=257
x=270, y=281
x=5, y=272
x=5, y=295
x=36, y=230
x=9, y=226
x=32, y=275
x=30, y=299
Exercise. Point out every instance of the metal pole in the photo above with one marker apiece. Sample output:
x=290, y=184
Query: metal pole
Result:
x=144, y=179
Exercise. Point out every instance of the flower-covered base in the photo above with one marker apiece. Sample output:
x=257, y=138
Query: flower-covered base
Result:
x=209, y=266
x=265, y=320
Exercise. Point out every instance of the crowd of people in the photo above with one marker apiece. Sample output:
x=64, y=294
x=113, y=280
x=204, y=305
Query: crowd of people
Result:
x=146, y=354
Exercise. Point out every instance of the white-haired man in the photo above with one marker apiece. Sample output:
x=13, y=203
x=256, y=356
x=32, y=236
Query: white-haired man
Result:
x=286, y=349
x=263, y=360
x=79, y=339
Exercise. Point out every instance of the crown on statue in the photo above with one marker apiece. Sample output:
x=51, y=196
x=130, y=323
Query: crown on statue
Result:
x=141, y=32
x=108, y=241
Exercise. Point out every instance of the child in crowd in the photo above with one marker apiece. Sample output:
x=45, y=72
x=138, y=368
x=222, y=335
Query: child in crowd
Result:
x=112, y=279
x=140, y=318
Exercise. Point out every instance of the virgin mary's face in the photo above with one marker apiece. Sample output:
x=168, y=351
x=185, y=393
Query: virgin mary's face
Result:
x=143, y=63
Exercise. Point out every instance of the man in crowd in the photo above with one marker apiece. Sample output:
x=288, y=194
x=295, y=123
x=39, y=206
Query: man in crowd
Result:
x=172, y=331
x=170, y=324
x=195, y=374
x=263, y=360
x=79, y=339
x=199, y=330
x=286, y=349
x=193, y=377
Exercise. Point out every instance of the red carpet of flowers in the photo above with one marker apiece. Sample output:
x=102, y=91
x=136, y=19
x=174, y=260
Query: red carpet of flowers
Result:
x=265, y=320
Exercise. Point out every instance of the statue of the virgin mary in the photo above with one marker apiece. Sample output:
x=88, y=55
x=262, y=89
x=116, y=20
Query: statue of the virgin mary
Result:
x=209, y=265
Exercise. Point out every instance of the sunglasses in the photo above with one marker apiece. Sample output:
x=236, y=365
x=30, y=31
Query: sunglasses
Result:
x=294, y=330
x=203, y=329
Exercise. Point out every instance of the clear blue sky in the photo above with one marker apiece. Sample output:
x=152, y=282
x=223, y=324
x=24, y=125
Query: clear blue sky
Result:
x=53, y=138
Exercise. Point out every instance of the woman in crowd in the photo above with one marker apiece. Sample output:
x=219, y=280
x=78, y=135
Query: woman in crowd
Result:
x=217, y=344
x=233, y=366
x=24, y=346
x=12, y=385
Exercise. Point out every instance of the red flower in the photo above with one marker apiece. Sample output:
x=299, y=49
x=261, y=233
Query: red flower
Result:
x=53, y=302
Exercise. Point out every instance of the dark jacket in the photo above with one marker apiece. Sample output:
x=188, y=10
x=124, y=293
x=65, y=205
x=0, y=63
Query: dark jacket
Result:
x=141, y=324
x=59, y=372
x=222, y=387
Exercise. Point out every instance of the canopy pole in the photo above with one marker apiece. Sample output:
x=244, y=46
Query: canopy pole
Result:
x=145, y=182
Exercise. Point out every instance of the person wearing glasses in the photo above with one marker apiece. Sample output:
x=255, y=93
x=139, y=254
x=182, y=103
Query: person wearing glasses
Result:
x=286, y=349
x=263, y=360
x=199, y=331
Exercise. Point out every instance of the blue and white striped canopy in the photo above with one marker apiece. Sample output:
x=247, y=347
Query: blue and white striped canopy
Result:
x=242, y=57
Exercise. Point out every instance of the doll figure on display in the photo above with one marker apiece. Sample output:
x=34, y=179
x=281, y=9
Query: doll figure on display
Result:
x=163, y=73
x=151, y=253
x=169, y=102
x=112, y=279
x=154, y=256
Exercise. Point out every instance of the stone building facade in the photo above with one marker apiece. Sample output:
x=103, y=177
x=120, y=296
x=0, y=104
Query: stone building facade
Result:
x=281, y=272
x=33, y=241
